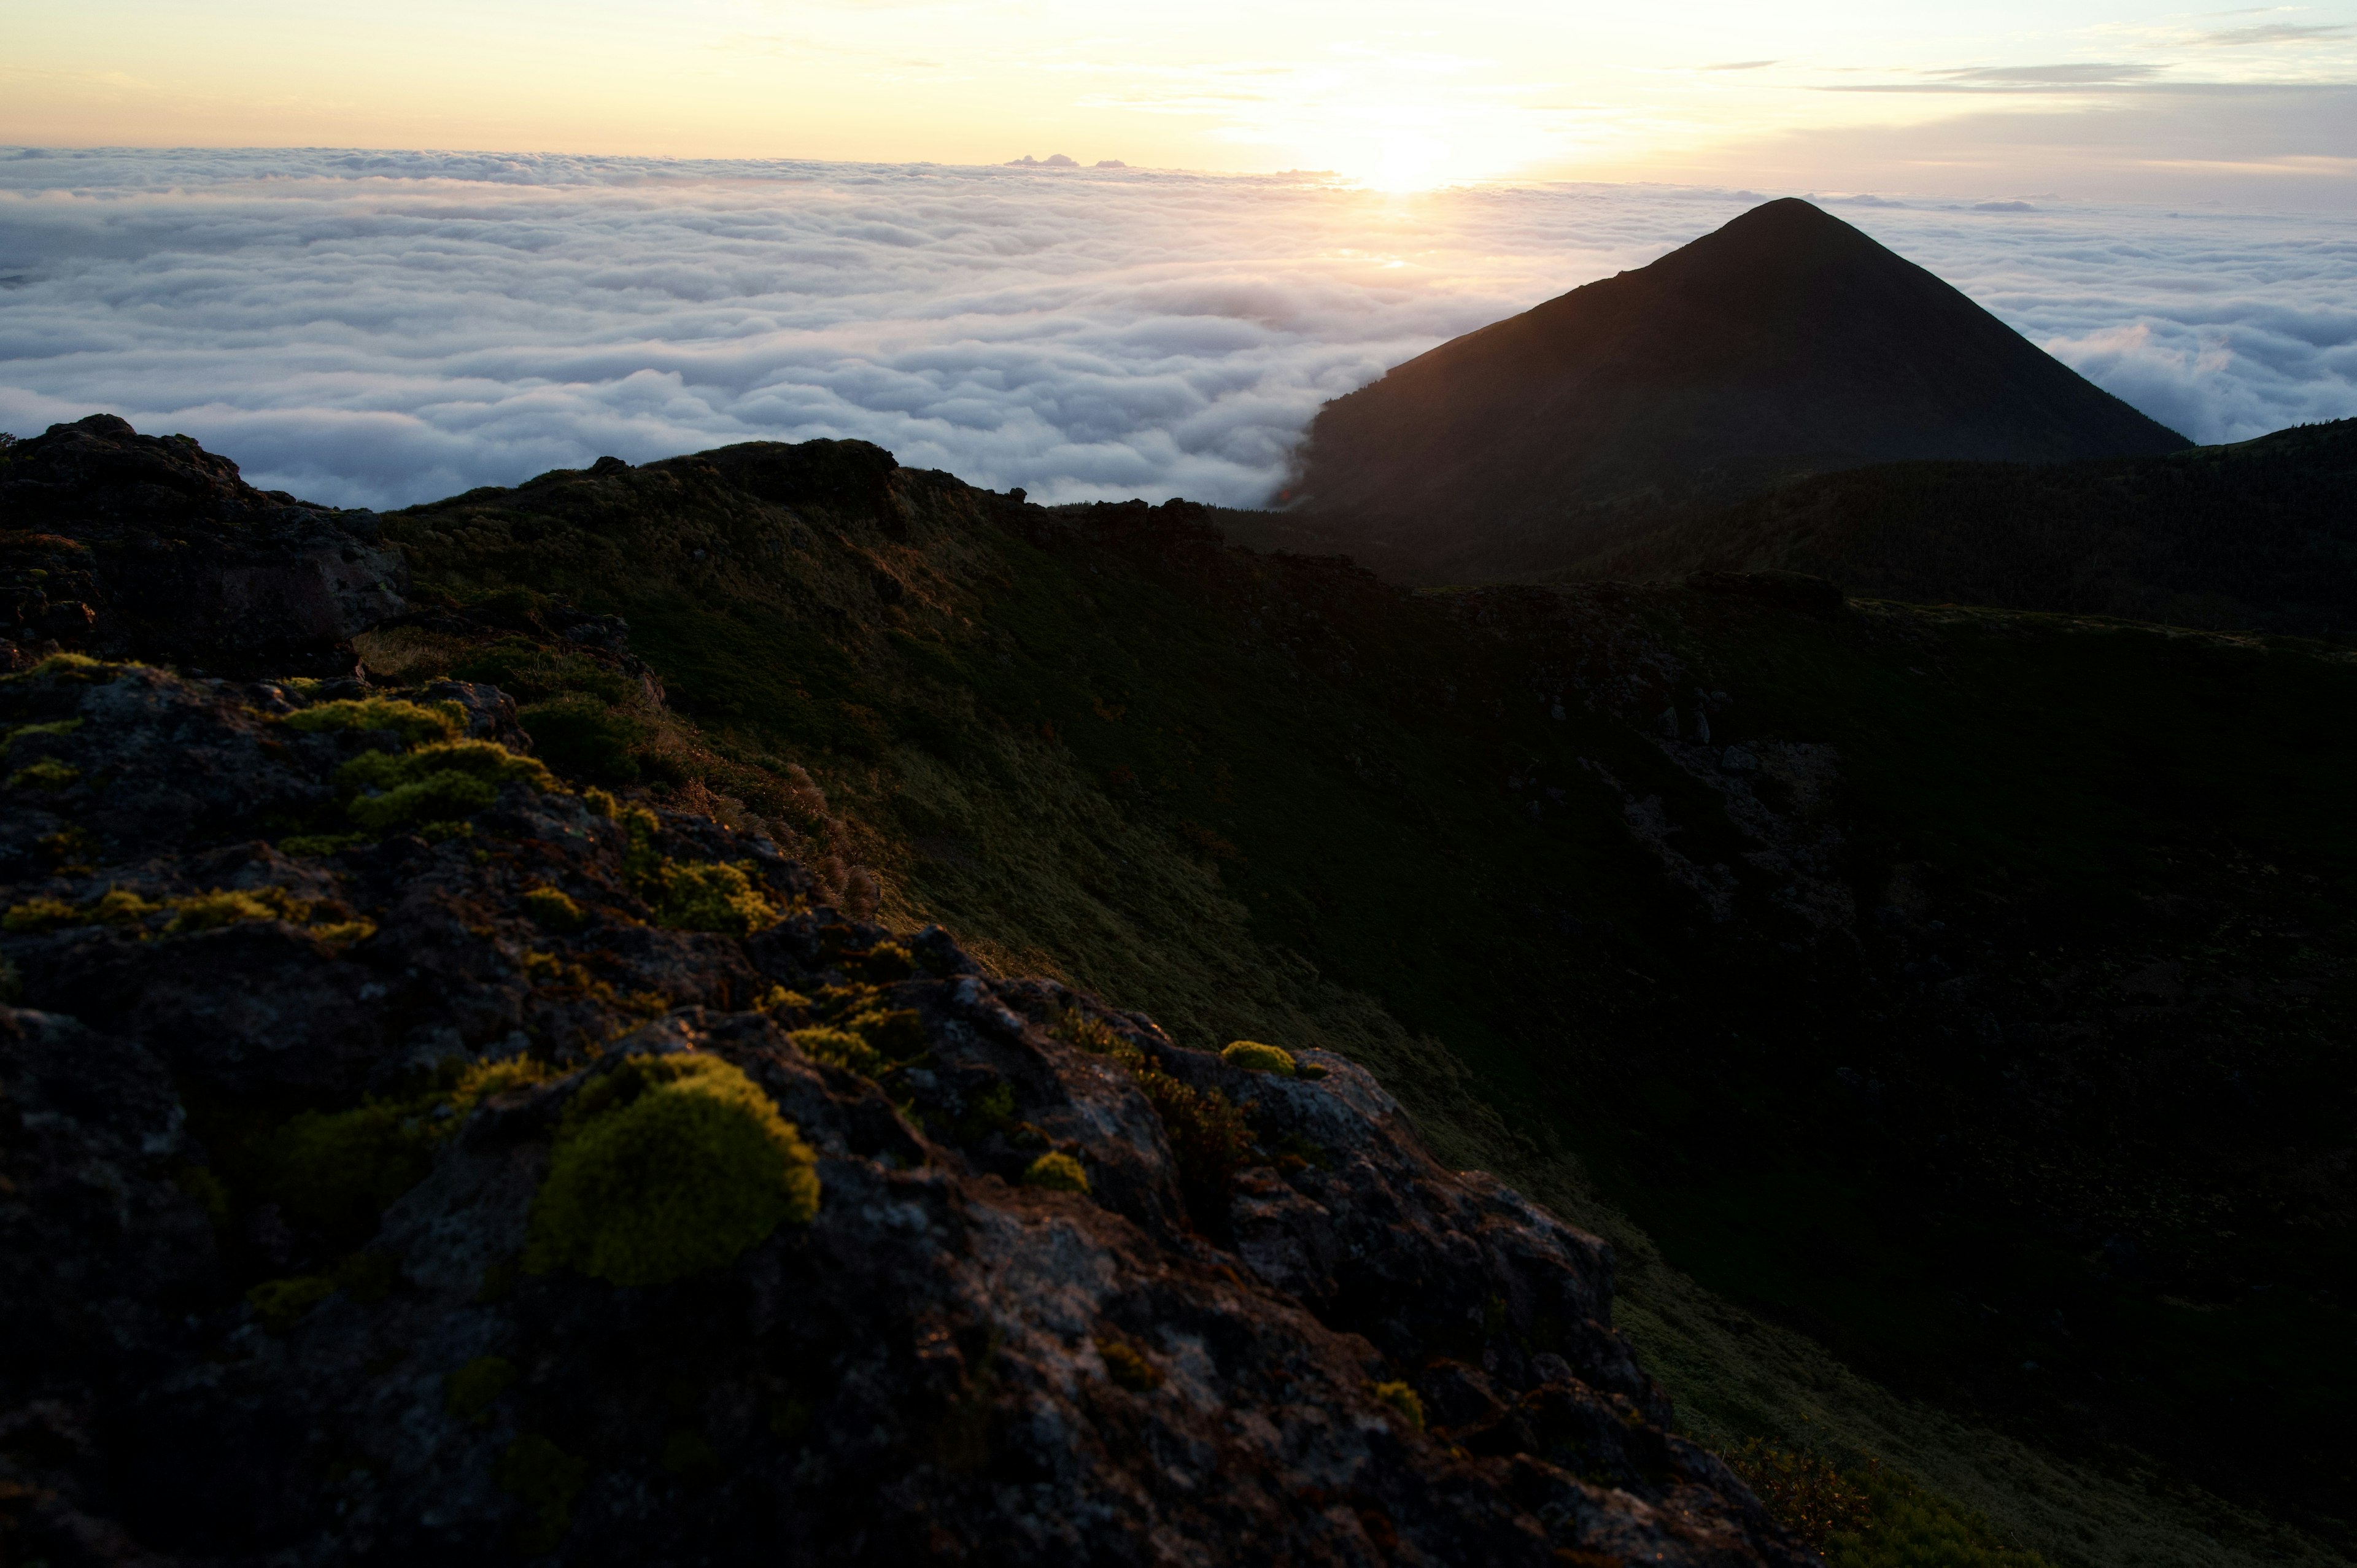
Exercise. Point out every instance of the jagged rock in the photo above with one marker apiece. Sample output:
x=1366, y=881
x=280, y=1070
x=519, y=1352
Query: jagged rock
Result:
x=150, y=547
x=206, y=1360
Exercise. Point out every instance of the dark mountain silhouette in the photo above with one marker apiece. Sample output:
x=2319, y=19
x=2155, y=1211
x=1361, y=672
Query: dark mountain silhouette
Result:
x=2257, y=536
x=1785, y=343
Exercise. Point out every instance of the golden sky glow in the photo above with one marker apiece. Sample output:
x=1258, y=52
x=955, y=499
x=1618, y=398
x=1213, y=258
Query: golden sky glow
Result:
x=2082, y=95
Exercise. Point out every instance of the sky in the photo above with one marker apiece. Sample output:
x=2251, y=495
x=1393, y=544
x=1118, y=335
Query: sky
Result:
x=379, y=329
x=2086, y=100
x=380, y=253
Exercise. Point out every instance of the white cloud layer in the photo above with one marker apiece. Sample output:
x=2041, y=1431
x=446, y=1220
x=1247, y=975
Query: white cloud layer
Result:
x=375, y=328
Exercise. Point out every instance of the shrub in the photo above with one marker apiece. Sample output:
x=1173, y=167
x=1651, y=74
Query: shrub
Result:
x=1209, y=1138
x=414, y=724
x=667, y=1166
x=1058, y=1173
x=545, y=1480
x=1127, y=1368
x=552, y=911
x=706, y=896
x=601, y=803
x=583, y=738
x=1254, y=1056
x=471, y=1390
x=434, y=783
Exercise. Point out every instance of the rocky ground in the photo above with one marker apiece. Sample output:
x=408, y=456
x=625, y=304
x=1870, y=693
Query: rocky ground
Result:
x=406, y=1155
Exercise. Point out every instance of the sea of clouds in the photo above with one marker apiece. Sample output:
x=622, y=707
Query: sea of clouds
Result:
x=380, y=328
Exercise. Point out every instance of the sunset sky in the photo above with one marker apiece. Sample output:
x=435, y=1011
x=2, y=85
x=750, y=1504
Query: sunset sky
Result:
x=2081, y=97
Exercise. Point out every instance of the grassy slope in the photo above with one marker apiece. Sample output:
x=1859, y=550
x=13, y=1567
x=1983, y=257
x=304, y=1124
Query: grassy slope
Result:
x=1263, y=796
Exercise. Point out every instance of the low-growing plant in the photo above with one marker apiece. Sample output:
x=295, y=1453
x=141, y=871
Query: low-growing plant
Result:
x=228, y=907
x=585, y=739
x=667, y=1166
x=1254, y=1056
x=434, y=783
x=416, y=724
x=281, y=1304
x=1128, y=1368
x=1401, y=1398
x=545, y=1480
x=470, y=1391
x=309, y=845
x=49, y=773
x=553, y=910
x=35, y=915
x=840, y=1048
x=1058, y=1173
x=708, y=895
x=27, y=732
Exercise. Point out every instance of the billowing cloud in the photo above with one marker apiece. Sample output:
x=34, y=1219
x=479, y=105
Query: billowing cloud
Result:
x=380, y=328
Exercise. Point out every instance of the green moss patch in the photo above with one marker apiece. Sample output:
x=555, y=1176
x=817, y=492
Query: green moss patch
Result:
x=417, y=723
x=668, y=1166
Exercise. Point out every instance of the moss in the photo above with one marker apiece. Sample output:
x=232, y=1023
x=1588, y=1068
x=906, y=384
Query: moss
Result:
x=211, y=1193
x=305, y=845
x=897, y=1032
x=552, y=911
x=667, y=1166
x=1128, y=1368
x=281, y=1304
x=840, y=1048
x=1209, y=1138
x=1058, y=1173
x=1254, y=1056
x=416, y=724
x=27, y=732
x=334, y=1171
x=706, y=896
x=229, y=907
x=469, y=1393
x=545, y=1480
x=49, y=773
x=72, y=666
x=601, y=803
x=38, y=915
x=1403, y=1399
x=434, y=783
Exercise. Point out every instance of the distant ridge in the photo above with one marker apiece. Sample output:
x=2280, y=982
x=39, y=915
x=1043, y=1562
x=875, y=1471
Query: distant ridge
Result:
x=1786, y=342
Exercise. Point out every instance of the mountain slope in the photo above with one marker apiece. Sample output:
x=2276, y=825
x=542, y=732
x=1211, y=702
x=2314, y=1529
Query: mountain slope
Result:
x=1786, y=342
x=1946, y=988
x=2260, y=535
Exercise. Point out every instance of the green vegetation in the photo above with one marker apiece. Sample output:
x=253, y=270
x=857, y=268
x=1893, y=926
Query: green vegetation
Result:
x=416, y=724
x=1254, y=1056
x=439, y=782
x=1058, y=1173
x=545, y=1480
x=665, y=1167
x=1128, y=1366
x=49, y=773
x=552, y=910
x=325, y=920
x=473, y=1389
x=282, y=1303
x=1403, y=1399
x=1262, y=796
x=709, y=897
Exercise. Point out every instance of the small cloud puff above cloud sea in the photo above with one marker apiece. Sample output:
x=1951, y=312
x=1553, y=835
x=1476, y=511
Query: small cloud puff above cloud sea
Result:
x=377, y=328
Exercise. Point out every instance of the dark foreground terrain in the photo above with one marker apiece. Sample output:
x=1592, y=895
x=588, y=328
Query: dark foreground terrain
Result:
x=1946, y=991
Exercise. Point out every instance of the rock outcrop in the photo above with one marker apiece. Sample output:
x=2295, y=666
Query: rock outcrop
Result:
x=150, y=547
x=284, y=1092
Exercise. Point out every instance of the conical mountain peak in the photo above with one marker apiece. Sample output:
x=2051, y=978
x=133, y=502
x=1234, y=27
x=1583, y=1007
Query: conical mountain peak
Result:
x=1784, y=343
